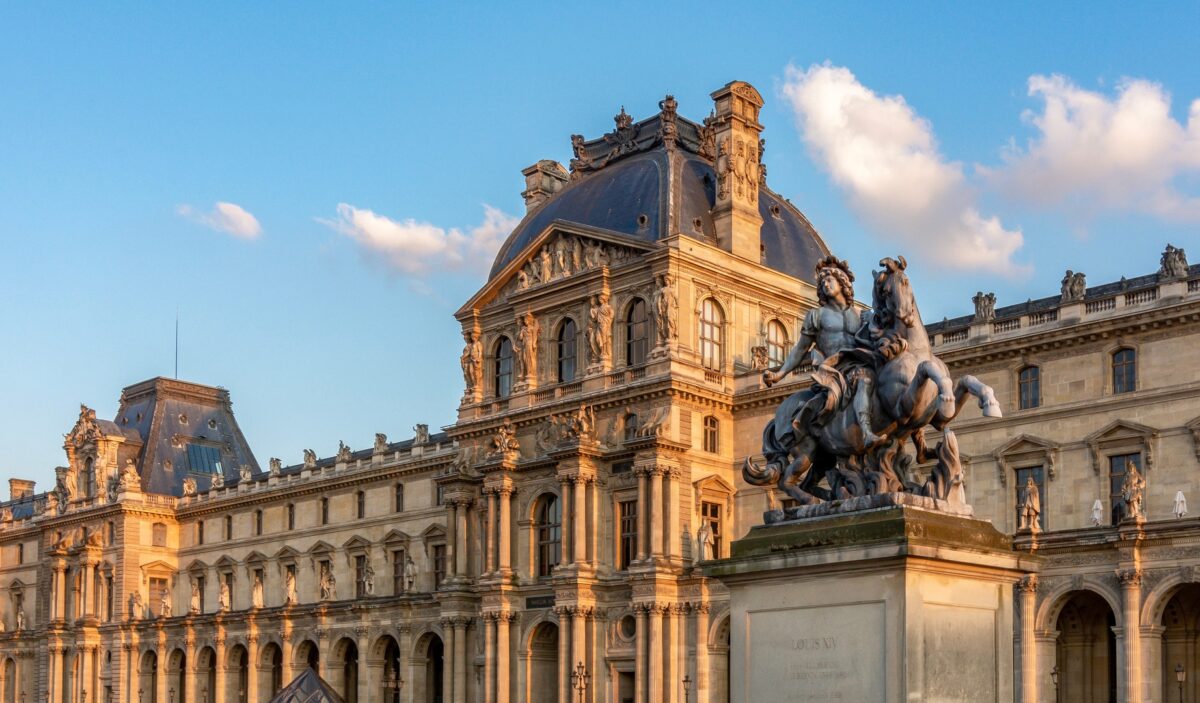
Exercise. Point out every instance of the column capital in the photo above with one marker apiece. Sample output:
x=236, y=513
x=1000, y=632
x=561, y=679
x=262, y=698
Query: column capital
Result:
x=1129, y=578
x=1028, y=584
x=701, y=607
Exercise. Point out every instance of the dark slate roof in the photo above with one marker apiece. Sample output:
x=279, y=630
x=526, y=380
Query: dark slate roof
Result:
x=673, y=188
x=1104, y=290
x=406, y=445
x=307, y=687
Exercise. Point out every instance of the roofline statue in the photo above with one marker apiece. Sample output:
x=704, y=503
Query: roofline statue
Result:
x=876, y=386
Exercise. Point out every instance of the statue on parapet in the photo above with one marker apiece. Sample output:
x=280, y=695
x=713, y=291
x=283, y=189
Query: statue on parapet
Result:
x=876, y=384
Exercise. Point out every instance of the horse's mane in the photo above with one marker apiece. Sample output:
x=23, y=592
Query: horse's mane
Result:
x=896, y=316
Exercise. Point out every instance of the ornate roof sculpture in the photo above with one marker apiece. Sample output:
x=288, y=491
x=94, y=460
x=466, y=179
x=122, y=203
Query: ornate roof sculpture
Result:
x=654, y=178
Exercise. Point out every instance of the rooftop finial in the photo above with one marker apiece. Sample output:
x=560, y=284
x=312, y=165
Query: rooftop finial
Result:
x=623, y=120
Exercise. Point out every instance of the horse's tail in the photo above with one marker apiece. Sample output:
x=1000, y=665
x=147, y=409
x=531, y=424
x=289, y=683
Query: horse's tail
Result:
x=760, y=476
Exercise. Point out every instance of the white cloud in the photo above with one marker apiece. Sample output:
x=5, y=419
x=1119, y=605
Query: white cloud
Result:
x=1118, y=152
x=225, y=217
x=415, y=248
x=884, y=156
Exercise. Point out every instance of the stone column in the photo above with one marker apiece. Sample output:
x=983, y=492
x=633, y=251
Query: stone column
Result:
x=189, y=679
x=164, y=654
x=402, y=671
x=1131, y=665
x=448, y=660
x=219, y=670
x=87, y=676
x=1027, y=595
x=460, y=547
x=579, y=541
x=1047, y=657
x=89, y=583
x=654, y=650
x=578, y=639
x=639, y=655
x=505, y=541
x=54, y=674
x=564, y=653
x=502, y=661
x=451, y=538
x=489, y=658
x=59, y=597
x=675, y=650
x=568, y=520
x=700, y=609
x=655, y=513
x=490, y=546
x=673, y=546
x=252, y=653
x=460, y=660
x=1152, y=663
x=643, y=506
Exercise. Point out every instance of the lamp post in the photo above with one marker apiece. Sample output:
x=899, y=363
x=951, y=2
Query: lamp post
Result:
x=687, y=688
x=140, y=692
x=1054, y=678
x=1180, y=677
x=580, y=678
x=395, y=684
x=171, y=694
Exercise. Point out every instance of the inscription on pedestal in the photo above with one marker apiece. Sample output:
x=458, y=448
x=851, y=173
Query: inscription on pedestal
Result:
x=826, y=654
x=960, y=654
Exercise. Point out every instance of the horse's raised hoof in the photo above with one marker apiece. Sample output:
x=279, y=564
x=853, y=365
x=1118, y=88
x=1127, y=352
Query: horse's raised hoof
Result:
x=947, y=404
x=989, y=406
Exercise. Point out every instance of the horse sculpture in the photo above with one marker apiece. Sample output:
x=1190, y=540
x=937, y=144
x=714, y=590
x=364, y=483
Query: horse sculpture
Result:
x=911, y=389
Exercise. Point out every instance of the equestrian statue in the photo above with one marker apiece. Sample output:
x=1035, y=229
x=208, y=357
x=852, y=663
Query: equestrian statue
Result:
x=876, y=384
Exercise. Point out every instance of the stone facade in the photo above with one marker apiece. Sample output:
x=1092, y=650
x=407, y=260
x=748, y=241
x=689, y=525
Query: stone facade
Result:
x=612, y=391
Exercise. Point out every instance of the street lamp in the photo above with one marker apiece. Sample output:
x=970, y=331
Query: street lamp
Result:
x=687, y=688
x=140, y=692
x=580, y=678
x=1054, y=678
x=395, y=684
x=1180, y=677
x=171, y=694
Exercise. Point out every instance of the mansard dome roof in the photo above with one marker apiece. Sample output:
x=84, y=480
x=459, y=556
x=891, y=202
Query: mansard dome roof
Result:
x=639, y=183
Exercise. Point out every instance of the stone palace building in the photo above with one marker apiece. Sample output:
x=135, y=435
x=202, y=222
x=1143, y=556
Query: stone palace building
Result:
x=612, y=369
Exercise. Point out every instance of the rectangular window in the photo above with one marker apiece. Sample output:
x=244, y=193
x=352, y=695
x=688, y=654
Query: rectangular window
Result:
x=1116, y=477
x=156, y=591
x=1023, y=475
x=21, y=553
x=628, y=515
x=258, y=522
x=361, y=504
x=203, y=459
x=441, y=495
x=291, y=516
x=439, y=564
x=200, y=584
x=200, y=531
x=399, y=497
x=108, y=598
x=324, y=511
x=1124, y=371
x=1030, y=387
x=397, y=571
x=227, y=579
x=228, y=527
x=360, y=576
x=711, y=513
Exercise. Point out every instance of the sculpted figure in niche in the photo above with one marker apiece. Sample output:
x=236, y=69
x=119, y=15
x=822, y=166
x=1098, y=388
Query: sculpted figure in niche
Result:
x=194, y=601
x=289, y=587
x=1097, y=513
x=546, y=271
x=526, y=347
x=1031, y=506
x=471, y=360
x=164, y=602
x=704, y=542
x=369, y=579
x=561, y=253
x=1180, y=508
x=225, y=598
x=665, y=303
x=576, y=254
x=410, y=574
x=599, y=332
x=21, y=618
x=1133, y=489
x=256, y=591
x=328, y=583
x=136, y=609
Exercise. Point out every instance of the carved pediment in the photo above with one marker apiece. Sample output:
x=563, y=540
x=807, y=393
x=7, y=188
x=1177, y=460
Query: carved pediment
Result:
x=86, y=428
x=225, y=562
x=321, y=547
x=1118, y=433
x=287, y=554
x=196, y=566
x=396, y=537
x=561, y=252
x=1026, y=448
x=255, y=557
x=357, y=543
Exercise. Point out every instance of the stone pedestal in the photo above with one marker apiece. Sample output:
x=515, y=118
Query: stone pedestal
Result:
x=890, y=604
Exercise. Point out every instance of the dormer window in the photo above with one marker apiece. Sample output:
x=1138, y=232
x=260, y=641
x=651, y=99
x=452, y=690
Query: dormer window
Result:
x=503, y=367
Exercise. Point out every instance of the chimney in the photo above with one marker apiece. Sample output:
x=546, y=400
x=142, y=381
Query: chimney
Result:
x=738, y=162
x=20, y=488
x=542, y=180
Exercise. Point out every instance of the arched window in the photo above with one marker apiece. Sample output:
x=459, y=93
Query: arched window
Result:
x=1029, y=387
x=710, y=335
x=776, y=343
x=502, y=376
x=567, y=344
x=1124, y=370
x=549, y=534
x=637, y=333
x=712, y=434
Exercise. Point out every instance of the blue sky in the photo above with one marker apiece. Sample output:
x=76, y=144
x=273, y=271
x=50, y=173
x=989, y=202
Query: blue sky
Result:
x=122, y=127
